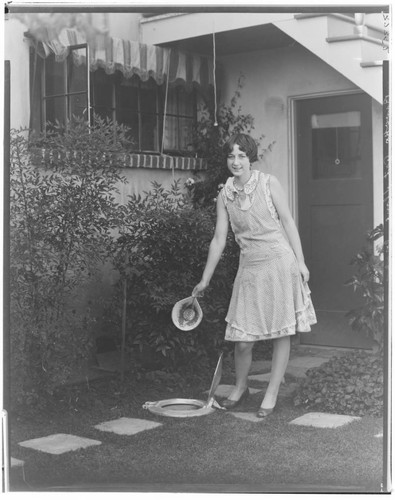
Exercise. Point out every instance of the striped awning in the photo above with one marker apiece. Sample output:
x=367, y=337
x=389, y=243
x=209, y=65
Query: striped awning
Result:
x=130, y=58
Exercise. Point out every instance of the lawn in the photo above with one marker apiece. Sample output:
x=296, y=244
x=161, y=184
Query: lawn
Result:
x=216, y=452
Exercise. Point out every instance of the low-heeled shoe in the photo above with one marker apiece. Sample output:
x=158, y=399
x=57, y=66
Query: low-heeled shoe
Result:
x=264, y=412
x=229, y=404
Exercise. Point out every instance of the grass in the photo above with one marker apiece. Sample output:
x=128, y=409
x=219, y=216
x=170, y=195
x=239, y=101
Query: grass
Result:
x=217, y=452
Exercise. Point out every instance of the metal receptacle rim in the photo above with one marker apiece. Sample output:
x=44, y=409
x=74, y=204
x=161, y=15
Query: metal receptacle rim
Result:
x=164, y=407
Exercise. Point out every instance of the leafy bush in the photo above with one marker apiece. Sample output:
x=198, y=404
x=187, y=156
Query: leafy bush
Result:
x=63, y=213
x=161, y=253
x=368, y=280
x=210, y=136
x=350, y=384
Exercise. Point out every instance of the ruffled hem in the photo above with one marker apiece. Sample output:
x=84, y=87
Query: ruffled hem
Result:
x=269, y=201
x=304, y=320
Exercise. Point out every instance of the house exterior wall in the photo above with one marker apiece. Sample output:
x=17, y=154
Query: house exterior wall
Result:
x=140, y=180
x=16, y=50
x=122, y=25
x=378, y=180
x=272, y=79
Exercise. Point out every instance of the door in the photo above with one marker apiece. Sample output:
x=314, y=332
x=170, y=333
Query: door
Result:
x=335, y=206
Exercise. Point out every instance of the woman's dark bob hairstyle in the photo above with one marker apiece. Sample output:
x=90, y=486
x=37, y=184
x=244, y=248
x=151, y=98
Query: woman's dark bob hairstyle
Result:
x=246, y=144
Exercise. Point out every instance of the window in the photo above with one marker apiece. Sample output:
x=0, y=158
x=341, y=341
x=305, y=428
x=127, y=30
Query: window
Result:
x=60, y=90
x=336, y=142
x=141, y=105
x=62, y=87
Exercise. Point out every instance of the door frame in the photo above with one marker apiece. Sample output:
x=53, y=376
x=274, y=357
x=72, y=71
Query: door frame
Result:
x=292, y=141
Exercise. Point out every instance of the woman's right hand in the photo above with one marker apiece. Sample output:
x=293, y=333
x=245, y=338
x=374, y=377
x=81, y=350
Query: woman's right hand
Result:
x=199, y=289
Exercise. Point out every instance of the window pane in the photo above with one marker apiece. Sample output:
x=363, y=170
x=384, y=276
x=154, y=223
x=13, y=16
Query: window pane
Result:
x=148, y=100
x=336, y=145
x=78, y=105
x=131, y=120
x=77, y=77
x=127, y=110
x=171, y=133
x=55, y=109
x=149, y=133
x=186, y=126
x=185, y=102
x=333, y=120
x=104, y=112
x=102, y=89
x=127, y=97
x=54, y=77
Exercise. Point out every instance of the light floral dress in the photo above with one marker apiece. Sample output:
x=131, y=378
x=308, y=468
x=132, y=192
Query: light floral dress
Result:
x=269, y=298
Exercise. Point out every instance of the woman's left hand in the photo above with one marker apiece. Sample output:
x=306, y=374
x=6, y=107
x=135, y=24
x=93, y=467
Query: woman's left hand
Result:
x=304, y=272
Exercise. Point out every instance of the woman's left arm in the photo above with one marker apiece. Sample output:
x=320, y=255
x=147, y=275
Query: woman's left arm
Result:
x=280, y=202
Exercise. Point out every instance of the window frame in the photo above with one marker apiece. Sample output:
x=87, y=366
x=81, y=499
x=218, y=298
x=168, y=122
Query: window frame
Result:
x=41, y=110
x=116, y=79
x=67, y=81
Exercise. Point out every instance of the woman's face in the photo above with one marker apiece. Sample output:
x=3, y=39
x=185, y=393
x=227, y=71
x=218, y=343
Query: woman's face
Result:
x=239, y=163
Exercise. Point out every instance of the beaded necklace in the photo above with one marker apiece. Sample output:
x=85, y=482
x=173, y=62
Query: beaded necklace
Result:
x=238, y=189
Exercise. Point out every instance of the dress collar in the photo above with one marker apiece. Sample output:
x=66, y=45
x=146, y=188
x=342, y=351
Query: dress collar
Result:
x=249, y=186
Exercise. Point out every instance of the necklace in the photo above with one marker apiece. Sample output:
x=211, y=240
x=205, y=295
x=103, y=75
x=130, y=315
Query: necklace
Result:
x=240, y=190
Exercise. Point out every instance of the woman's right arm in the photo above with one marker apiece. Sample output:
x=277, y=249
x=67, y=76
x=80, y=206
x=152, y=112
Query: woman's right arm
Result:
x=216, y=248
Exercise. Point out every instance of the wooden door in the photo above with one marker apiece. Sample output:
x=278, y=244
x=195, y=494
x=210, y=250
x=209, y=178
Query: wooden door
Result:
x=335, y=206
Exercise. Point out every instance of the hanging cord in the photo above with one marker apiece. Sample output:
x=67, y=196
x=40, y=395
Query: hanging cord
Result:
x=33, y=90
x=165, y=112
x=165, y=109
x=214, y=81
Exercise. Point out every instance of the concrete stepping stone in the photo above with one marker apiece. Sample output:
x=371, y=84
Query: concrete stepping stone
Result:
x=262, y=377
x=57, y=444
x=223, y=390
x=127, y=426
x=261, y=366
x=324, y=420
x=243, y=415
x=15, y=462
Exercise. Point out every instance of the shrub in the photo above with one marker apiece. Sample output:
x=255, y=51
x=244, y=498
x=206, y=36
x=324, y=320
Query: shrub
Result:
x=63, y=213
x=368, y=281
x=350, y=384
x=161, y=253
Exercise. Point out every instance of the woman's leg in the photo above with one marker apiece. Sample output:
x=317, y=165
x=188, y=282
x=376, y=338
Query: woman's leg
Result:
x=281, y=350
x=243, y=359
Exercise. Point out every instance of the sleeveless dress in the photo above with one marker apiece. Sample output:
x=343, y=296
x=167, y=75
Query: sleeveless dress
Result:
x=269, y=298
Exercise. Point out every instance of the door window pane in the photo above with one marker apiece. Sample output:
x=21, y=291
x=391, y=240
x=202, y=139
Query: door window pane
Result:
x=336, y=147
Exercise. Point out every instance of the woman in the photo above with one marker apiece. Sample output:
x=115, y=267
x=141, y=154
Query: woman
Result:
x=270, y=298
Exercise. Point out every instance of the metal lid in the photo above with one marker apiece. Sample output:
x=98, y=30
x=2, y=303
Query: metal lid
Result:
x=216, y=379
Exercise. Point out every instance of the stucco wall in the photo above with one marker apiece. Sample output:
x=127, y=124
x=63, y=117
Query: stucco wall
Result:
x=378, y=180
x=16, y=50
x=124, y=25
x=140, y=180
x=272, y=77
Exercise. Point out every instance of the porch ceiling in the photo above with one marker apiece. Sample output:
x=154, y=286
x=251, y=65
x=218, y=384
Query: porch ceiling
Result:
x=260, y=37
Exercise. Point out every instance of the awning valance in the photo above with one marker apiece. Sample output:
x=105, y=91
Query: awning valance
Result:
x=130, y=57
